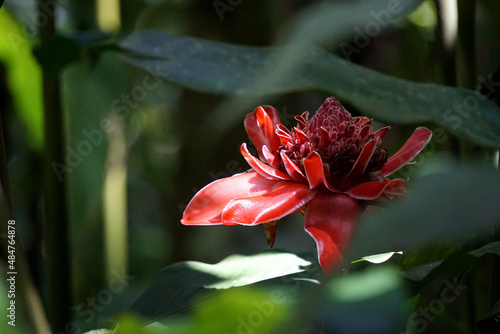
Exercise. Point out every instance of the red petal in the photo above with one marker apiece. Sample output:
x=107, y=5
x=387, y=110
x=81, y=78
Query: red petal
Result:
x=301, y=135
x=315, y=173
x=362, y=161
x=302, y=119
x=286, y=199
x=330, y=220
x=261, y=126
x=283, y=134
x=292, y=169
x=372, y=190
x=380, y=133
x=416, y=143
x=260, y=167
x=270, y=157
x=206, y=206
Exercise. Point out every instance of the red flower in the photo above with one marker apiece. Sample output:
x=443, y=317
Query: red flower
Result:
x=326, y=168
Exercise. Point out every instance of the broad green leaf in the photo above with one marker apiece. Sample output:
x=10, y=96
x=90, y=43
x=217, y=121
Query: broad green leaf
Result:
x=221, y=68
x=456, y=262
x=242, y=310
x=426, y=254
x=491, y=248
x=371, y=301
x=362, y=286
x=454, y=205
x=300, y=64
x=376, y=296
x=24, y=77
x=173, y=290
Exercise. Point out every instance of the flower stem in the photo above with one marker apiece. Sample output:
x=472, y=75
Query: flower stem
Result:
x=57, y=244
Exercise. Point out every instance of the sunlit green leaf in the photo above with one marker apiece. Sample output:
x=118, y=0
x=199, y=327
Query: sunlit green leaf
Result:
x=175, y=287
x=378, y=258
x=24, y=77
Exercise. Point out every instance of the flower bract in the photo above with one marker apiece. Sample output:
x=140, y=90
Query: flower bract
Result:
x=327, y=168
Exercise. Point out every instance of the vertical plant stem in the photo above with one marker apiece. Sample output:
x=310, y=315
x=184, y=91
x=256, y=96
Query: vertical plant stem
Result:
x=466, y=78
x=466, y=44
x=115, y=202
x=466, y=57
x=445, y=43
x=58, y=267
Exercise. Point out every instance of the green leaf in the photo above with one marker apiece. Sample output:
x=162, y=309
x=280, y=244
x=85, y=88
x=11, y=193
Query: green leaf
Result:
x=174, y=289
x=427, y=254
x=454, y=205
x=371, y=301
x=453, y=263
x=378, y=258
x=491, y=248
x=376, y=296
x=221, y=68
x=24, y=77
x=242, y=310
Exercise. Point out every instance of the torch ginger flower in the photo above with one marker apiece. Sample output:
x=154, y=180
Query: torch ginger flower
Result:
x=328, y=168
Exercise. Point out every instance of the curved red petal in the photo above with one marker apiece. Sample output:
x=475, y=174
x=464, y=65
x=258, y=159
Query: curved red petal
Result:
x=261, y=127
x=416, y=143
x=260, y=167
x=372, y=190
x=330, y=220
x=315, y=172
x=272, y=159
x=283, y=134
x=362, y=161
x=283, y=200
x=206, y=206
x=380, y=133
x=292, y=169
x=301, y=136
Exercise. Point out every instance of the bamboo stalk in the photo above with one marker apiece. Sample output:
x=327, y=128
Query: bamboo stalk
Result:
x=56, y=234
x=466, y=44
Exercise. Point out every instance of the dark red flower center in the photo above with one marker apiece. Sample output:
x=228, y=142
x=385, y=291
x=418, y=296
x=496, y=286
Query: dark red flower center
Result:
x=337, y=137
